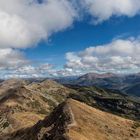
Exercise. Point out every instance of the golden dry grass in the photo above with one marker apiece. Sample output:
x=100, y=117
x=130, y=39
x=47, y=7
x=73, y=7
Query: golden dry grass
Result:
x=93, y=124
x=25, y=119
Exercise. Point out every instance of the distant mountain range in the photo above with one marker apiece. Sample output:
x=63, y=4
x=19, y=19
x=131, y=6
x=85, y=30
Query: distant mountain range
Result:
x=127, y=84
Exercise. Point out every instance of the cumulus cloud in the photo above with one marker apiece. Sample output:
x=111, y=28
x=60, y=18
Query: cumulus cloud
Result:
x=25, y=22
x=102, y=10
x=10, y=58
x=26, y=71
x=64, y=72
x=117, y=56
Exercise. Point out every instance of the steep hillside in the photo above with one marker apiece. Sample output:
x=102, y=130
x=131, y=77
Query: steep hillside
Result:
x=19, y=108
x=77, y=121
x=10, y=84
x=107, y=100
x=23, y=104
x=133, y=89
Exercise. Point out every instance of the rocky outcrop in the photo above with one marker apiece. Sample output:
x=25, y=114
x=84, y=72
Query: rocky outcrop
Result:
x=53, y=127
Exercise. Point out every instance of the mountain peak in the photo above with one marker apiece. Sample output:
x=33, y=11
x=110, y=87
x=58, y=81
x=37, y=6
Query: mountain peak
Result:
x=97, y=75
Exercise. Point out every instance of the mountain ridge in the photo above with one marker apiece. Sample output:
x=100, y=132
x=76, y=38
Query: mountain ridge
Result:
x=49, y=110
x=125, y=83
x=71, y=121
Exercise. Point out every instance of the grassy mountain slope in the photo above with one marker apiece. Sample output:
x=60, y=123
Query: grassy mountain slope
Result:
x=77, y=121
x=23, y=104
x=107, y=100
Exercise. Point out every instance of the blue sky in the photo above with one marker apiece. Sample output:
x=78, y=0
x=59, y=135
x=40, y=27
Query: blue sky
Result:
x=68, y=37
x=82, y=35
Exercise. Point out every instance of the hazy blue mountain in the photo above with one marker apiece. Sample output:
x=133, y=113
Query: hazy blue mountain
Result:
x=129, y=84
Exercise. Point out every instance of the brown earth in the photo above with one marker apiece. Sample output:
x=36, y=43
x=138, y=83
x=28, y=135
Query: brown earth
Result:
x=73, y=120
x=22, y=104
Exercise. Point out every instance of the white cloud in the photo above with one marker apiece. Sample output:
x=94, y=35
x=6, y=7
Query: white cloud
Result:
x=26, y=71
x=10, y=58
x=63, y=72
x=117, y=56
x=25, y=22
x=102, y=10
